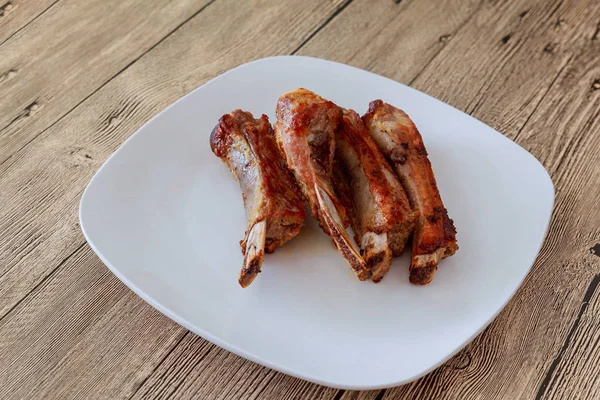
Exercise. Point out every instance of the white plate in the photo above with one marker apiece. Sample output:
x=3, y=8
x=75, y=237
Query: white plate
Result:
x=164, y=214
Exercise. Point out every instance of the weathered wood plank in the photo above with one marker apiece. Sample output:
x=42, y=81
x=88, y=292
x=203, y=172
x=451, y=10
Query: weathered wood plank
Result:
x=575, y=369
x=69, y=52
x=363, y=395
x=70, y=316
x=391, y=39
x=35, y=213
x=514, y=49
x=16, y=14
x=44, y=214
x=536, y=313
x=520, y=347
x=197, y=369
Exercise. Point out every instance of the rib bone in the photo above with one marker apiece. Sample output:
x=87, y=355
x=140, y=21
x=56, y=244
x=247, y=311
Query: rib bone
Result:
x=305, y=130
x=435, y=236
x=376, y=202
x=274, y=207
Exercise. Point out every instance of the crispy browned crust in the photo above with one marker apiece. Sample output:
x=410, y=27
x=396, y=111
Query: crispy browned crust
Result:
x=248, y=147
x=424, y=274
x=371, y=193
x=392, y=205
x=435, y=235
x=305, y=129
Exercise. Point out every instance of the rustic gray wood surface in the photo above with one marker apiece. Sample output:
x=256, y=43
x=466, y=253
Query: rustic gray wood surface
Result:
x=79, y=77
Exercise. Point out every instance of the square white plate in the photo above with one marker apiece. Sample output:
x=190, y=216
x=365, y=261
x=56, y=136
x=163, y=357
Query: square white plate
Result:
x=164, y=214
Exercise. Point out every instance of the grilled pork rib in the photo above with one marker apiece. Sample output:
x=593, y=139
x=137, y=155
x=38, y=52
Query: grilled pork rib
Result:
x=435, y=236
x=274, y=207
x=374, y=198
x=305, y=131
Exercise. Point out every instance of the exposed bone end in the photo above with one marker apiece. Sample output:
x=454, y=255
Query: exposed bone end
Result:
x=423, y=267
x=254, y=254
x=338, y=234
x=377, y=254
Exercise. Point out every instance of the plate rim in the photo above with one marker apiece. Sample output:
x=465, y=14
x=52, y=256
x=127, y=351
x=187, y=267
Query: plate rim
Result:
x=265, y=362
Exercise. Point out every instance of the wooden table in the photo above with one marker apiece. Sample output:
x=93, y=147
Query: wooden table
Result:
x=79, y=77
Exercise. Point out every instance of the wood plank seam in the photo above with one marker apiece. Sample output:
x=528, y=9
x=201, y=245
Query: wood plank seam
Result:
x=382, y=392
x=44, y=279
x=340, y=9
x=327, y=21
x=558, y=75
x=547, y=382
x=107, y=81
x=77, y=196
x=181, y=367
x=359, y=49
x=596, y=34
x=167, y=354
x=27, y=24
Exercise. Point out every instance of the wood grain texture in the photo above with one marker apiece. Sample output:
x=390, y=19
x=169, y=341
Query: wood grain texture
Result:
x=391, y=39
x=505, y=51
x=16, y=14
x=92, y=132
x=528, y=68
x=68, y=153
x=70, y=51
x=197, y=369
x=84, y=299
x=574, y=370
x=522, y=344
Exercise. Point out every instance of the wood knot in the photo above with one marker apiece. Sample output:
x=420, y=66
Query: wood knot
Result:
x=559, y=23
x=596, y=34
x=79, y=157
x=444, y=38
x=549, y=48
x=461, y=361
x=5, y=8
x=114, y=121
x=11, y=73
x=31, y=109
x=596, y=250
x=523, y=14
x=596, y=84
x=506, y=38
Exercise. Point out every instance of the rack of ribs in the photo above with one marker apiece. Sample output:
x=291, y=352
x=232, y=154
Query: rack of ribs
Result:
x=273, y=203
x=378, y=207
x=305, y=131
x=434, y=237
